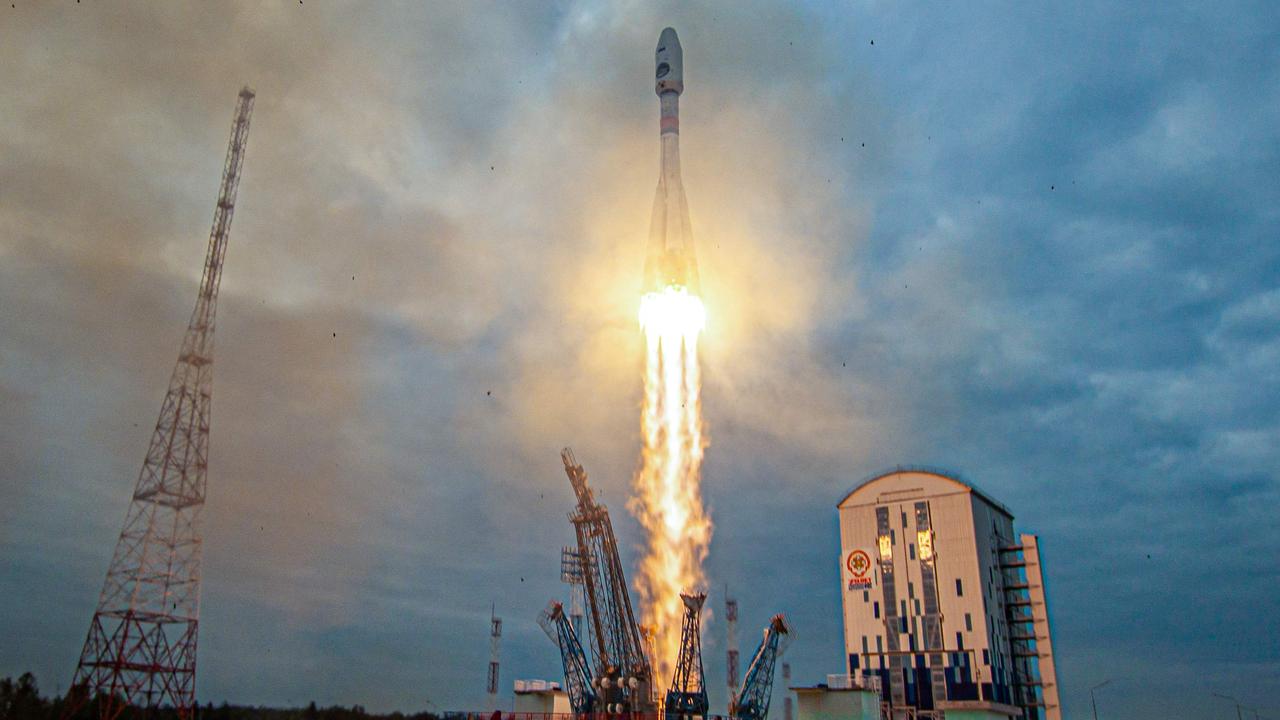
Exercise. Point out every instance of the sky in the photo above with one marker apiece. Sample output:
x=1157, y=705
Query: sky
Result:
x=1030, y=242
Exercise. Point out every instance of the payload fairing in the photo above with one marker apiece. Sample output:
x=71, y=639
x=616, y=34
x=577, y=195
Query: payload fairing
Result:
x=669, y=260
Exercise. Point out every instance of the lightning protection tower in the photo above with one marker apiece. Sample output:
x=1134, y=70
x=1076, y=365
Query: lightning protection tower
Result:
x=731, y=627
x=495, y=644
x=141, y=648
x=786, y=685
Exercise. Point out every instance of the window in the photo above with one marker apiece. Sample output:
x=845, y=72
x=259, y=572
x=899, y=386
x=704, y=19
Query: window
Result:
x=880, y=644
x=911, y=589
x=866, y=595
x=986, y=654
x=918, y=606
x=893, y=537
x=959, y=588
x=911, y=642
x=968, y=622
x=904, y=520
x=903, y=623
x=911, y=550
x=959, y=641
x=875, y=608
x=864, y=644
x=903, y=605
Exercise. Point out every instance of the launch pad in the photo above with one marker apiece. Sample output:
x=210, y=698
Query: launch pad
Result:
x=612, y=672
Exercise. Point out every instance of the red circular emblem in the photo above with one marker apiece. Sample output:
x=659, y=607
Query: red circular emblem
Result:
x=858, y=563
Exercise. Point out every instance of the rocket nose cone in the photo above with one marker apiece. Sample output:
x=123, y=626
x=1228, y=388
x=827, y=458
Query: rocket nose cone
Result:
x=669, y=63
x=668, y=38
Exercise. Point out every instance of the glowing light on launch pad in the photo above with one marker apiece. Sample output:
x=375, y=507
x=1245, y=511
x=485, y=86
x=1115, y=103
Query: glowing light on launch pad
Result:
x=668, y=500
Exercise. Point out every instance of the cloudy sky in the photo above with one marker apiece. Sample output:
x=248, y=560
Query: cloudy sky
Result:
x=1032, y=242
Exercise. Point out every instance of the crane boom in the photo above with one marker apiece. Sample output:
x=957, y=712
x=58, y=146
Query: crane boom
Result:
x=752, y=703
x=577, y=673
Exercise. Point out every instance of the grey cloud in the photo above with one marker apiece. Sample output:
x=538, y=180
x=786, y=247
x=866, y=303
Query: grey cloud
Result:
x=890, y=276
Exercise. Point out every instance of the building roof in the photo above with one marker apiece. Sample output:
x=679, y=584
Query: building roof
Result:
x=927, y=470
x=823, y=688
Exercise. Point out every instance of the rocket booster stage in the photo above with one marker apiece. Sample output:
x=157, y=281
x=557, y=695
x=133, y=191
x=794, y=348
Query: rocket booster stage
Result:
x=669, y=260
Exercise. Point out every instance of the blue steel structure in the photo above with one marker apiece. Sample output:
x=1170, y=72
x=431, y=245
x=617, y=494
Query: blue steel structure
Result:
x=752, y=702
x=577, y=672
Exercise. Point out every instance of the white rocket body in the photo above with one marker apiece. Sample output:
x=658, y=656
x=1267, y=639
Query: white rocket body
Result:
x=669, y=260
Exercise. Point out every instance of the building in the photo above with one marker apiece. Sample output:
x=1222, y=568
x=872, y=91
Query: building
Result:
x=540, y=697
x=943, y=602
x=840, y=698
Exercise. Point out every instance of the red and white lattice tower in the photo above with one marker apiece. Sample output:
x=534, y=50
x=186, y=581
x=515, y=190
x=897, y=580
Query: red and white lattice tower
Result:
x=495, y=644
x=141, y=648
x=786, y=683
x=731, y=645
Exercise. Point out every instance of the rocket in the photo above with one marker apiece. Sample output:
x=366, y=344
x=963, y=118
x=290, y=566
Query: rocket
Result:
x=669, y=259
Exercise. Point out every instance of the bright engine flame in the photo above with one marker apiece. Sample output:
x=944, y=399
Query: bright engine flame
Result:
x=668, y=500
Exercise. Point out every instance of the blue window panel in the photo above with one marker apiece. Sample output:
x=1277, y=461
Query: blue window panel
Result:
x=959, y=588
x=875, y=608
x=959, y=641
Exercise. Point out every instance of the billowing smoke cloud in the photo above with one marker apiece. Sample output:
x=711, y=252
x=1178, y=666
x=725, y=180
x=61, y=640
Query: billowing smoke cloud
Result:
x=971, y=243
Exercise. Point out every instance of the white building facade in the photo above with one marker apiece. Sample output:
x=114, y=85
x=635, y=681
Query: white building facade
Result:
x=943, y=602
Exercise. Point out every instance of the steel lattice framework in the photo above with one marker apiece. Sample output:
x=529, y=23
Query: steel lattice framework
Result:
x=687, y=697
x=579, y=685
x=731, y=646
x=622, y=667
x=141, y=648
x=752, y=702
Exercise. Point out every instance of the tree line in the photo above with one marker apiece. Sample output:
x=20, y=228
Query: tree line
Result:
x=20, y=699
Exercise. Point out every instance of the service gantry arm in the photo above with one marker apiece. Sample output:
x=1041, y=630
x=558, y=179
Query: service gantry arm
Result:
x=622, y=669
x=577, y=673
x=752, y=702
